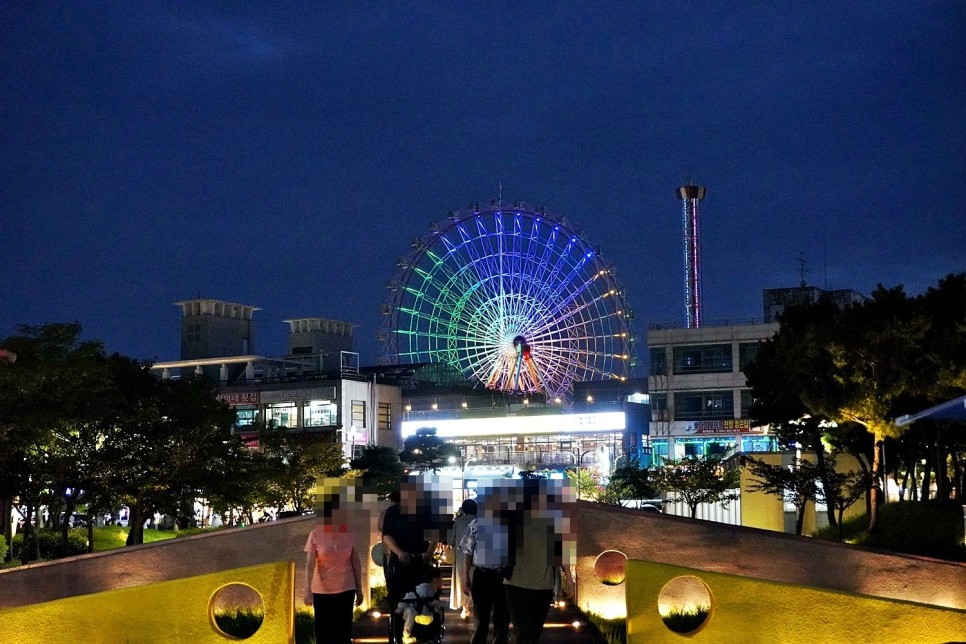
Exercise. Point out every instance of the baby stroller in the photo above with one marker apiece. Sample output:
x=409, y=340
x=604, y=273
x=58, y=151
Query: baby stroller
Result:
x=428, y=627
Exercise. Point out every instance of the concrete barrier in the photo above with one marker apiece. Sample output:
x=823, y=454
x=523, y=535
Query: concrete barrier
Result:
x=750, y=552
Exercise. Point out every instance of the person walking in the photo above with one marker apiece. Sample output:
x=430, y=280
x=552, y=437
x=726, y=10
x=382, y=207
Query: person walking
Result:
x=333, y=576
x=537, y=544
x=457, y=600
x=482, y=570
x=404, y=542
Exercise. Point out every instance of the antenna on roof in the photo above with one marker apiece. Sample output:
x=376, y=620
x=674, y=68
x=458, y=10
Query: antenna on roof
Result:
x=802, y=268
x=824, y=260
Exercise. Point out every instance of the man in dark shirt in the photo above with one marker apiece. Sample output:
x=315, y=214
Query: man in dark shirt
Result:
x=403, y=537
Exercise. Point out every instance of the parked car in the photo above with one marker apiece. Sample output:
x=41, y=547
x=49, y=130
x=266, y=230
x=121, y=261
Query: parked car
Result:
x=77, y=520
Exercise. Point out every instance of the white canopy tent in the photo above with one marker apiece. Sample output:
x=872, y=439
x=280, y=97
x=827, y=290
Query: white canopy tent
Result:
x=953, y=410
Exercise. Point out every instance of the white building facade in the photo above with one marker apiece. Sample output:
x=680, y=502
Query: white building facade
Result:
x=700, y=401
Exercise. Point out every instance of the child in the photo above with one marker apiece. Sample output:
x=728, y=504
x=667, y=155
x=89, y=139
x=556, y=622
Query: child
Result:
x=419, y=606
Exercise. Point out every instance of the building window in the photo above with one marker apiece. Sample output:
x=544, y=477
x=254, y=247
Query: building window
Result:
x=705, y=358
x=320, y=413
x=284, y=414
x=246, y=416
x=357, y=451
x=659, y=407
x=658, y=361
x=747, y=351
x=384, y=421
x=358, y=413
x=703, y=405
x=746, y=401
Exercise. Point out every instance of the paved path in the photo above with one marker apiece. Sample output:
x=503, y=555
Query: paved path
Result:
x=559, y=628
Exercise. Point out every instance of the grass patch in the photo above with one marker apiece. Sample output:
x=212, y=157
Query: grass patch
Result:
x=614, y=631
x=910, y=527
x=115, y=536
x=304, y=626
x=686, y=621
x=240, y=623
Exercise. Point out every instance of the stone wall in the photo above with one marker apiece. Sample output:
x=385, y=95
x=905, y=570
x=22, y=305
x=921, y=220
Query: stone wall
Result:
x=637, y=534
x=165, y=560
x=751, y=552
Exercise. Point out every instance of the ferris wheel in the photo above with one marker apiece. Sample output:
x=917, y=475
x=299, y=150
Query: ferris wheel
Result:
x=514, y=298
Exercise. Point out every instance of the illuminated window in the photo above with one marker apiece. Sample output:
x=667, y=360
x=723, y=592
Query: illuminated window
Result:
x=245, y=416
x=320, y=413
x=384, y=419
x=284, y=414
x=358, y=413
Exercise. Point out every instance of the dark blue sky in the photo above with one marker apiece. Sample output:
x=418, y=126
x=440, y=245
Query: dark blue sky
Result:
x=284, y=155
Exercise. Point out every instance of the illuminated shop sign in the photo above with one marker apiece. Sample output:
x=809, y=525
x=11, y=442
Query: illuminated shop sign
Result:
x=613, y=421
x=289, y=395
x=239, y=398
x=249, y=440
x=727, y=426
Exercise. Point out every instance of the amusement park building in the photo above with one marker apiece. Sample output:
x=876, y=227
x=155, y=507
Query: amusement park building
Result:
x=316, y=388
x=601, y=424
x=700, y=400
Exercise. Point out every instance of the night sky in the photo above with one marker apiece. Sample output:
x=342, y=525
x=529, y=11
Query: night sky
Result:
x=285, y=155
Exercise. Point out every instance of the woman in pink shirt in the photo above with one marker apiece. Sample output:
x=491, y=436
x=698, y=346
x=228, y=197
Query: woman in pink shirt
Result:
x=333, y=574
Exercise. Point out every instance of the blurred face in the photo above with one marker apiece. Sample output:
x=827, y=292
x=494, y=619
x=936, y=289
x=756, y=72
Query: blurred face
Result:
x=331, y=512
x=408, y=498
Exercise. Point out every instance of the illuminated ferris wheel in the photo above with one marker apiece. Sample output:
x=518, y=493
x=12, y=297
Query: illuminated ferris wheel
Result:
x=514, y=298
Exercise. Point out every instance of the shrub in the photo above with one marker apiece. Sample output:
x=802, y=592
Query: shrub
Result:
x=911, y=527
x=377, y=595
x=920, y=529
x=50, y=546
x=3, y=548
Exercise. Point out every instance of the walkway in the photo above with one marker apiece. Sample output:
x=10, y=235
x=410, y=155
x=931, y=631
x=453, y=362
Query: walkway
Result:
x=559, y=629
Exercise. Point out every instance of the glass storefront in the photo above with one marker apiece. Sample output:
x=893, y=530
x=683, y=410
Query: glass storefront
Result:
x=246, y=416
x=320, y=413
x=703, y=447
x=758, y=444
x=544, y=451
x=284, y=414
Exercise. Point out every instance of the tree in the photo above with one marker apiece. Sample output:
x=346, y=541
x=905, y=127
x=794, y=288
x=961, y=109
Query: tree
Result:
x=698, y=480
x=50, y=421
x=792, y=382
x=796, y=484
x=380, y=467
x=295, y=462
x=844, y=489
x=169, y=445
x=424, y=451
x=586, y=482
x=629, y=482
x=863, y=366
